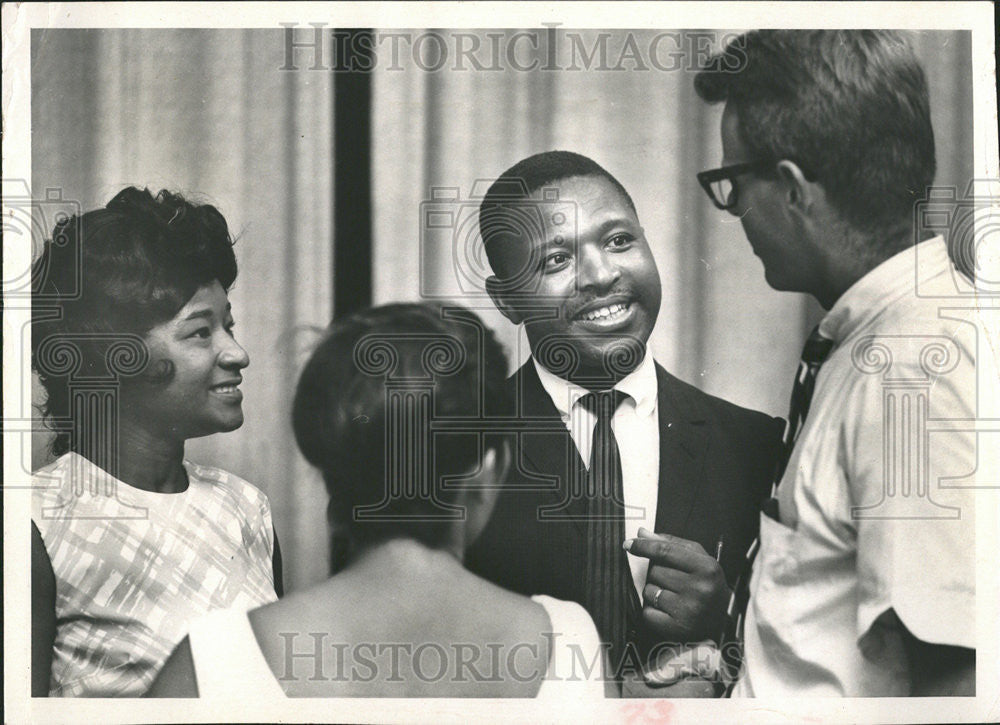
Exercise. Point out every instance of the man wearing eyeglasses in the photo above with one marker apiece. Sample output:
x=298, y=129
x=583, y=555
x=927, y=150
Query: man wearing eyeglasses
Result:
x=864, y=580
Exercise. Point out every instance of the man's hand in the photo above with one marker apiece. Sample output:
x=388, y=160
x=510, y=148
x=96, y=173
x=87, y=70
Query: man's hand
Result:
x=634, y=686
x=685, y=596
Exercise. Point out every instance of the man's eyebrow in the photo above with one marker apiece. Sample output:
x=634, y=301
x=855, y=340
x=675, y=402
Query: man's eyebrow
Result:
x=560, y=240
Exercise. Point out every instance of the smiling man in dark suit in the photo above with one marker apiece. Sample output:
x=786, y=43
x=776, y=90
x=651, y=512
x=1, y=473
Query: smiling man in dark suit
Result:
x=611, y=447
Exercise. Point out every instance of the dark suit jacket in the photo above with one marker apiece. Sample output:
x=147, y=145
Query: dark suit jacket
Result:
x=716, y=464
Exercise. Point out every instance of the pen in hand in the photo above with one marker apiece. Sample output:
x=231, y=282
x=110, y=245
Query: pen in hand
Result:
x=698, y=589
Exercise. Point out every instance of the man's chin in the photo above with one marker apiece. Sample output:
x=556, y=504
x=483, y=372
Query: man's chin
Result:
x=780, y=282
x=592, y=357
x=604, y=367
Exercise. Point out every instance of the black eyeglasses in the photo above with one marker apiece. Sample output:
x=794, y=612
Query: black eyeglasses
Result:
x=718, y=183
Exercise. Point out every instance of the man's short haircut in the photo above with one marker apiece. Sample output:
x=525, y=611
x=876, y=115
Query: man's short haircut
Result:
x=497, y=215
x=849, y=106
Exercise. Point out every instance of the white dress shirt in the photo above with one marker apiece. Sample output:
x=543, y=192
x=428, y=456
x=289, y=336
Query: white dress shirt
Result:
x=636, y=428
x=877, y=505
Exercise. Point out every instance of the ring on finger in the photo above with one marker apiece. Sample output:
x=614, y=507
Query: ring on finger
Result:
x=656, y=598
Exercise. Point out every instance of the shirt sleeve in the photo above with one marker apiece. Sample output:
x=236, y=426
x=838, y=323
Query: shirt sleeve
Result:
x=255, y=510
x=267, y=522
x=265, y=528
x=910, y=457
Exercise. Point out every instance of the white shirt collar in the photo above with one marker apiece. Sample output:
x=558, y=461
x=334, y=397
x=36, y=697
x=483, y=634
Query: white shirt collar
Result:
x=640, y=385
x=894, y=278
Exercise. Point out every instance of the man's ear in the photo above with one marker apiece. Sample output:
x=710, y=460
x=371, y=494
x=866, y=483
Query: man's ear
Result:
x=800, y=194
x=495, y=289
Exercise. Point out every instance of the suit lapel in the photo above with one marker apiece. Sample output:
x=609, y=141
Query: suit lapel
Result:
x=683, y=443
x=546, y=446
x=548, y=453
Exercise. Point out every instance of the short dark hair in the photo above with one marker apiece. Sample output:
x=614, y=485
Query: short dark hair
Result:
x=520, y=181
x=128, y=267
x=340, y=406
x=850, y=106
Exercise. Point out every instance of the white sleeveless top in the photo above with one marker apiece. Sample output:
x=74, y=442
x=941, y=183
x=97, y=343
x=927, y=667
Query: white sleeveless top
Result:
x=229, y=664
x=133, y=568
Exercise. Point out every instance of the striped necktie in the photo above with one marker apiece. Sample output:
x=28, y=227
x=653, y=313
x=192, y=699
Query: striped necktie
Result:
x=814, y=353
x=607, y=575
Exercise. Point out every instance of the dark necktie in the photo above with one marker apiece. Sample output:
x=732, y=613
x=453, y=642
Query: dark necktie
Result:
x=814, y=353
x=607, y=576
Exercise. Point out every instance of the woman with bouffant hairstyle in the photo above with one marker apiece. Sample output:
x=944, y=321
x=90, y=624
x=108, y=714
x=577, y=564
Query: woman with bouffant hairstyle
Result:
x=132, y=341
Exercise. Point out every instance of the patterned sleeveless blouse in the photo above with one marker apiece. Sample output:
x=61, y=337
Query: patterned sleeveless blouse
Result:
x=133, y=568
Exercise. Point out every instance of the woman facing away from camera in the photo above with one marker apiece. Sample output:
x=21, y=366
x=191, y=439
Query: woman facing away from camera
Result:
x=132, y=339
x=404, y=618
